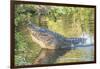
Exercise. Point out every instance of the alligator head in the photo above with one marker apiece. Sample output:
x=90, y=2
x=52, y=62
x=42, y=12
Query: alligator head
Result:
x=44, y=37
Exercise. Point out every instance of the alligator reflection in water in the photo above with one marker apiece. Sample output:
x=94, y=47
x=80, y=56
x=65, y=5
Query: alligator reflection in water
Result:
x=50, y=56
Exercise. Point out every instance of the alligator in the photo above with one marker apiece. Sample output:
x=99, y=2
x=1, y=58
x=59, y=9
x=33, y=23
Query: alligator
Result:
x=51, y=40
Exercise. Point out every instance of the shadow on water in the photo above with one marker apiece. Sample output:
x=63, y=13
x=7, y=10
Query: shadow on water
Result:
x=48, y=56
